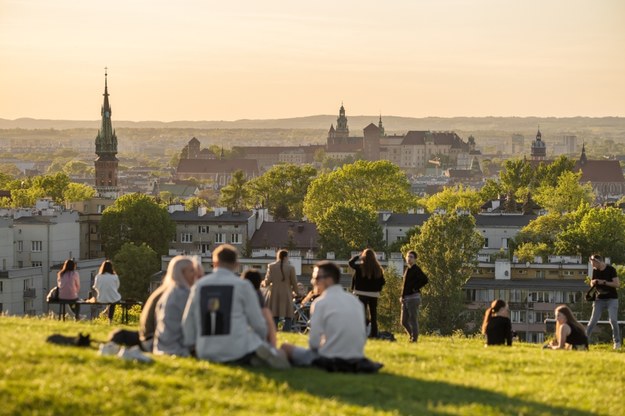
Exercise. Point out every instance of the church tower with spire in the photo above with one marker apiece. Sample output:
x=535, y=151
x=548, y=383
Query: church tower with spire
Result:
x=539, y=150
x=342, y=131
x=106, y=149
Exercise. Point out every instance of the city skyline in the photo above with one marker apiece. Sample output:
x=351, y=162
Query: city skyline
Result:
x=194, y=61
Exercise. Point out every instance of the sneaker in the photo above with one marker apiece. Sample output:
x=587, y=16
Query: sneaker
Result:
x=133, y=354
x=617, y=346
x=110, y=348
x=273, y=357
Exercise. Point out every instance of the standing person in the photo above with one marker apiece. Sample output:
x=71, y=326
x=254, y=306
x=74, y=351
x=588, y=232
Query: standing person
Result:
x=496, y=325
x=282, y=283
x=337, y=324
x=106, y=285
x=223, y=320
x=605, y=280
x=367, y=283
x=68, y=281
x=413, y=280
x=570, y=334
x=181, y=275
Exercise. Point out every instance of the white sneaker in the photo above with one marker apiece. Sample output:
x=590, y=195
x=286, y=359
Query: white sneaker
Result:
x=110, y=348
x=617, y=346
x=133, y=354
x=273, y=357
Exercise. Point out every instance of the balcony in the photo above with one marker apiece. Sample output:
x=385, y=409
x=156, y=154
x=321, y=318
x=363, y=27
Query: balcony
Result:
x=30, y=293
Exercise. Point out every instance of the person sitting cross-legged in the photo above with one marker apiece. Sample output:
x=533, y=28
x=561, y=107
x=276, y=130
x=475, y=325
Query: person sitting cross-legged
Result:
x=223, y=321
x=337, y=327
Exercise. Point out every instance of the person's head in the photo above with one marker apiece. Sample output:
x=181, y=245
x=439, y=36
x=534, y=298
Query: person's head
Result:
x=180, y=272
x=225, y=256
x=106, y=267
x=301, y=290
x=597, y=261
x=254, y=276
x=411, y=257
x=325, y=274
x=68, y=266
x=282, y=255
x=371, y=269
x=497, y=307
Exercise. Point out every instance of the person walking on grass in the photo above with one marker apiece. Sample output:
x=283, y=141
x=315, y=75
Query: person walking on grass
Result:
x=413, y=280
x=282, y=284
x=605, y=280
x=367, y=283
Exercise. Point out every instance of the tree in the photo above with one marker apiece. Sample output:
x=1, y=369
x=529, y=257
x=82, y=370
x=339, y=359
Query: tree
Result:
x=544, y=229
x=516, y=174
x=136, y=218
x=135, y=264
x=548, y=175
x=455, y=198
x=346, y=228
x=53, y=185
x=447, y=248
x=527, y=252
x=566, y=195
x=491, y=190
x=389, y=307
x=78, y=192
x=235, y=195
x=76, y=167
x=193, y=203
x=599, y=230
x=378, y=185
x=282, y=189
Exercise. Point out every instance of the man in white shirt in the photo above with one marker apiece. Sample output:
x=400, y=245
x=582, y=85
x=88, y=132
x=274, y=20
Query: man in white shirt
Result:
x=337, y=324
x=223, y=319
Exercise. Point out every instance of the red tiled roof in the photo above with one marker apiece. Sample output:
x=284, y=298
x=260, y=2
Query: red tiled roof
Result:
x=600, y=171
x=276, y=234
x=249, y=166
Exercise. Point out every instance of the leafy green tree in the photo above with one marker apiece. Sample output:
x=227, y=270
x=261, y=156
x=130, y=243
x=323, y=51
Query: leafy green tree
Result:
x=282, y=189
x=235, y=195
x=566, y=195
x=379, y=185
x=8, y=171
x=53, y=185
x=447, y=248
x=78, y=192
x=544, y=229
x=599, y=230
x=491, y=190
x=76, y=167
x=548, y=174
x=135, y=264
x=389, y=307
x=346, y=228
x=455, y=198
x=516, y=174
x=193, y=203
x=528, y=251
x=21, y=198
x=136, y=218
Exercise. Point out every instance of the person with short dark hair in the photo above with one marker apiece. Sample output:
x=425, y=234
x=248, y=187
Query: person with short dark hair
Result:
x=496, y=325
x=337, y=324
x=367, y=283
x=605, y=281
x=223, y=320
x=413, y=280
x=106, y=285
x=68, y=282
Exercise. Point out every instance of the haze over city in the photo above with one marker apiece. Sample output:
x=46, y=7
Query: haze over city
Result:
x=197, y=60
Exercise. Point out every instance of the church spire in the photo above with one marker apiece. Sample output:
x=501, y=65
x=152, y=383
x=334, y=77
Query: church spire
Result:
x=583, y=159
x=381, y=126
x=106, y=149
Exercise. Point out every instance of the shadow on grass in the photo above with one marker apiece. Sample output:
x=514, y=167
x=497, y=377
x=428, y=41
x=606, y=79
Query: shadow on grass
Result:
x=410, y=396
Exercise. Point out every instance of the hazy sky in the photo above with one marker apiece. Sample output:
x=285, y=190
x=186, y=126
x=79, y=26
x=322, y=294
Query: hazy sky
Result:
x=217, y=60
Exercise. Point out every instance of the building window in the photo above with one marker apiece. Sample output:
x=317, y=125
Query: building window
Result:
x=186, y=237
x=236, y=238
x=486, y=243
x=20, y=246
x=220, y=238
x=504, y=243
x=36, y=245
x=100, y=208
x=202, y=229
x=540, y=274
x=1, y=288
x=204, y=248
x=37, y=263
x=20, y=264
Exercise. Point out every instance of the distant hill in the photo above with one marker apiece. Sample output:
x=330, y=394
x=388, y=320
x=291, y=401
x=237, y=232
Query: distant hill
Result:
x=524, y=125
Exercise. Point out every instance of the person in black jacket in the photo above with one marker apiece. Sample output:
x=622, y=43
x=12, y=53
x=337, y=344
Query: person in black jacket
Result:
x=414, y=279
x=367, y=284
x=496, y=325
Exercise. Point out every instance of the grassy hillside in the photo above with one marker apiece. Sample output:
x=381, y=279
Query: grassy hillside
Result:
x=440, y=375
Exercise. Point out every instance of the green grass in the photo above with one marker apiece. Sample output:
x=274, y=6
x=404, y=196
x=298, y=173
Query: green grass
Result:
x=440, y=375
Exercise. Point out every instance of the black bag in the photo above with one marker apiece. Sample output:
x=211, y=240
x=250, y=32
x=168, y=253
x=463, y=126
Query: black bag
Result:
x=53, y=295
x=591, y=294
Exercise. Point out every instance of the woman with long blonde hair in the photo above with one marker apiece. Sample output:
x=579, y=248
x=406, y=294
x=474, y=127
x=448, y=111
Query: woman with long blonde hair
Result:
x=570, y=334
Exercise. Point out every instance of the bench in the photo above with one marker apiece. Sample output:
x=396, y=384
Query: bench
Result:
x=125, y=305
x=550, y=323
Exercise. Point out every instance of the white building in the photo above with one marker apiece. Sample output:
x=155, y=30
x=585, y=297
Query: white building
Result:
x=21, y=291
x=6, y=244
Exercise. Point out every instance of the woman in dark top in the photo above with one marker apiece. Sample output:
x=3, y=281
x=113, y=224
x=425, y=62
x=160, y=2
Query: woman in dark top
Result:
x=497, y=326
x=367, y=284
x=570, y=334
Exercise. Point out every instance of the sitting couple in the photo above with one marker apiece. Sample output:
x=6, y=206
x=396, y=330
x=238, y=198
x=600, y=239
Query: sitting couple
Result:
x=223, y=322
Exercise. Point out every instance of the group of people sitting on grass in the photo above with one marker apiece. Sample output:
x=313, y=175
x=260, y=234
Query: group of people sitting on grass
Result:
x=224, y=318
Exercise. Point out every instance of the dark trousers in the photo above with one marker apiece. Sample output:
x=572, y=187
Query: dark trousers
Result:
x=111, y=312
x=371, y=304
x=288, y=323
x=410, y=316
